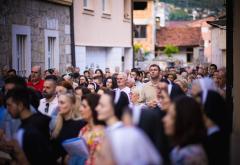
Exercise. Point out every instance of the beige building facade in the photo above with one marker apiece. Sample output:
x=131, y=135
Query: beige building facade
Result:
x=144, y=24
x=103, y=34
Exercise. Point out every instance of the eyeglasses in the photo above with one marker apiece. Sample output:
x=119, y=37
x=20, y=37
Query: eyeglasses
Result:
x=46, y=108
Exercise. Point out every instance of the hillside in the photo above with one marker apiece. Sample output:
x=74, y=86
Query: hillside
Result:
x=210, y=4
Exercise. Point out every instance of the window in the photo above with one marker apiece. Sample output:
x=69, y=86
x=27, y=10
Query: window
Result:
x=85, y=3
x=21, y=53
x=88, y=4
x=88, y=7
x=51, y=43
x=21, y=49
x=189, y=54
x=106, y=7
x=52, y=54
x=127, y=9
x=139, y=5
x=140, y=31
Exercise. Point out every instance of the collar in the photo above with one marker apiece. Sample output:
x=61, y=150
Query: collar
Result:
x=115, y=126
x=212, y=130
x=55, y=100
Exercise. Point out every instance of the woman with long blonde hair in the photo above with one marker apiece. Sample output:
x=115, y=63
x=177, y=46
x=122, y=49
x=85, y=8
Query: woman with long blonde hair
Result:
x=67, y=124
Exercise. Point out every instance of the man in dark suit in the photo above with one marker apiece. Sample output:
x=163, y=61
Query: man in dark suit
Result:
x=173, y=89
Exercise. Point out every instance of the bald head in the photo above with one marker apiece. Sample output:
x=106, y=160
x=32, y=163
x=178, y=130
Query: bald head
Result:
x=36, y=73
x=122, y=80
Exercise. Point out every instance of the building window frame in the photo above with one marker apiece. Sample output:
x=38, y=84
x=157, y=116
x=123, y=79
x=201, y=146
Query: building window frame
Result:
x=88, y=7
x=127, y=9
x=106, y=8
x=52, y=55
x=141, y=6
x=21, y=49
x=142, y=31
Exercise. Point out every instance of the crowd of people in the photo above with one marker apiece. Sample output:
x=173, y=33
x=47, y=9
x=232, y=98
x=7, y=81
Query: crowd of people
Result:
x=174, y=116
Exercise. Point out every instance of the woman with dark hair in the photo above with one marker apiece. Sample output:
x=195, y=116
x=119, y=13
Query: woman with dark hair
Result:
x=83, y=81
x=111, y=83
x=185, y=125
x=93, y=87
x=81, y=91
x=122, y=144
x=110, y=108
x=94, y=130
x=99, y=72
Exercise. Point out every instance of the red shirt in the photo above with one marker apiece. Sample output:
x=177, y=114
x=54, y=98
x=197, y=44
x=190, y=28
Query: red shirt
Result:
x=37, y=86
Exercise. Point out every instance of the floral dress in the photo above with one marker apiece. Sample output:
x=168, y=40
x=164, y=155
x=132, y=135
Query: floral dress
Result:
x=93, y=137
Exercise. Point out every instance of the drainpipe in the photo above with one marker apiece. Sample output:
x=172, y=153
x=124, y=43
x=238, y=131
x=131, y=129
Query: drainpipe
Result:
x=132, y=34
x=72, y=35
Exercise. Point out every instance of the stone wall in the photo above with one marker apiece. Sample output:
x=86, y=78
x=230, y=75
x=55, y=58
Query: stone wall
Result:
x=39, y=16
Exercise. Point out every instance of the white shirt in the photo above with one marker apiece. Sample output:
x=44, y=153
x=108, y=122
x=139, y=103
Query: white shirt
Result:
x=52, y=109
x=139, y=84
x=137, y=110
x=212, y=130
x=115, y=126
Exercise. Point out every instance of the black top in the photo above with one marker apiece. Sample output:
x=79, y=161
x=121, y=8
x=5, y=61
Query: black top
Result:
x=217, y=148
x=36, y=144
x=151, y=123
x=70, y=129
x=39, y=121
x=176, y=91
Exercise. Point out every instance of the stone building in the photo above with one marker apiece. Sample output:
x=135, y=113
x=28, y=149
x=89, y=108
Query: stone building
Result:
x=35, y=32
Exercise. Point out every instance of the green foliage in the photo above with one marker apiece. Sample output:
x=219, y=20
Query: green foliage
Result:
x=211, y=4
x=146, y=53
x=170, y=49
x=136, y=47
x=179, y=15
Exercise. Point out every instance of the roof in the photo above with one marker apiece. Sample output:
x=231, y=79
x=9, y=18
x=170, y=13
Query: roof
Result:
x=221, y=22
x=177, y=23
x=201, y=22
x=193, y=23
x=179, y=36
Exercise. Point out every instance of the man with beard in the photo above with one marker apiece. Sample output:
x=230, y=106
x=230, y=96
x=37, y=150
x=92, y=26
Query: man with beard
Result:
x=149, y=90
x=48, y=105
x=33, y=132
x=136, y=75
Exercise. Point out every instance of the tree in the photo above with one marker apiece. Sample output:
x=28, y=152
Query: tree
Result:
x=179, y=14
x=169, y=50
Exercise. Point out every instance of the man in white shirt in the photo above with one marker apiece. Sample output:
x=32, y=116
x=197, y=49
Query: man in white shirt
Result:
x=122, y=84
x=48, y=105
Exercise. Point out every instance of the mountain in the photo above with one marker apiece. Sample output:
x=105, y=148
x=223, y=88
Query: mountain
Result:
x=210, y=4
